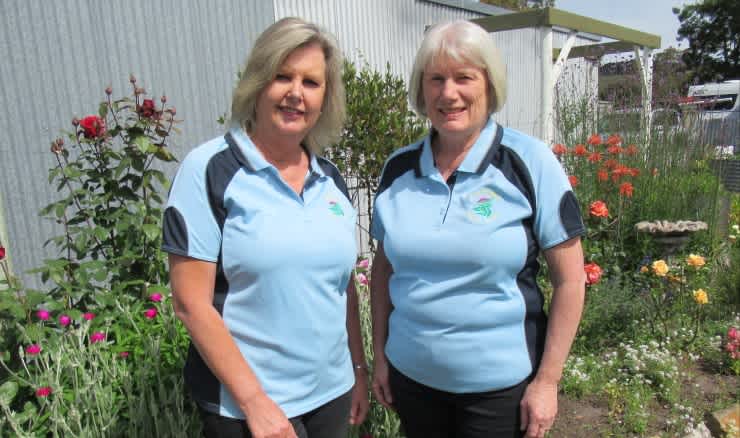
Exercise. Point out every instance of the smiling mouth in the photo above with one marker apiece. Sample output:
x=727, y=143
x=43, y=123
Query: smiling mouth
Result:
x=290, y=110
x=451, y=111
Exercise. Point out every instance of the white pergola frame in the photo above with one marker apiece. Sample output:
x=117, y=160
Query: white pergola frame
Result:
x=553, y=60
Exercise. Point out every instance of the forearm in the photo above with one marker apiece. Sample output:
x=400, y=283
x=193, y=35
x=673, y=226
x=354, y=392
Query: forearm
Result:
x=380, y=301
x=565, y=314
x=219, y=351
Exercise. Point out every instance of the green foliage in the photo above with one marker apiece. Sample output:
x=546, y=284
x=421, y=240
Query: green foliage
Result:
x=110, y=209
x=521, y=5
x=712, y=28
x=379, y=121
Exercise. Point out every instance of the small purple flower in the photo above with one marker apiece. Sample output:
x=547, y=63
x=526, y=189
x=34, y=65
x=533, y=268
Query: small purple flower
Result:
x=33, y=349
x=43, y=315
x=64, y=320
x=97, y=337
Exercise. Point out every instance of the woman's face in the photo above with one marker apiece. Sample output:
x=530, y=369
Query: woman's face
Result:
x=291, y=103
x=455, y=97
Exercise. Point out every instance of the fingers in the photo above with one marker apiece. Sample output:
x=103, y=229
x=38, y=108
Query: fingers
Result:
x=382, y=392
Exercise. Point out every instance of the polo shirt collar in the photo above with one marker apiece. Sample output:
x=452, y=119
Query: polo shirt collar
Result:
x=472, y=163
x=249, y=156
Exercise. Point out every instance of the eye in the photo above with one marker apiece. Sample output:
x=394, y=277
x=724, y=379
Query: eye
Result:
x=280, y=77
x=310, y=83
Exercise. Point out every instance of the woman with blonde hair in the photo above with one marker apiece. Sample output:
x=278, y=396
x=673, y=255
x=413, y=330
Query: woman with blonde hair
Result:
x=462, y=345
x=260, y=233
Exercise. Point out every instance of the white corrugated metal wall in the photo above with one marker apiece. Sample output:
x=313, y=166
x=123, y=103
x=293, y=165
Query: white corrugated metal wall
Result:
x=59, y=56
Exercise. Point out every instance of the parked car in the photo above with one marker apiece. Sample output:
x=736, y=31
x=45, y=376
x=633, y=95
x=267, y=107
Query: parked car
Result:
x=712, y=110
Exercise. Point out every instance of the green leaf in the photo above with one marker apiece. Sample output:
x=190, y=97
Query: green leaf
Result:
x=8, y=391
x=151, y=231
x=142, y=143
x=103, y=110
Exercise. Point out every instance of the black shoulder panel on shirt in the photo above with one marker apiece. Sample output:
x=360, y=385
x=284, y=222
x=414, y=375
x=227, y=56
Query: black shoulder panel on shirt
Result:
x=399, y=165
x=514, y=169
x=220, y=170
x=174, y=230
x=331, y=171
x=570, y=214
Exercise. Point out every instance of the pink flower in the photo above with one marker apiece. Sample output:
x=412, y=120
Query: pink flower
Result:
x=123, y=354
x=362, y=279
x=155, y=297
x=43, y=315
x=363, y=264
x=33, y=349
x=97, y=337
x=733, y=333
x=44, y=391
x=150, y=313
x=64, y=320
x=2, y=252
x=88, y=316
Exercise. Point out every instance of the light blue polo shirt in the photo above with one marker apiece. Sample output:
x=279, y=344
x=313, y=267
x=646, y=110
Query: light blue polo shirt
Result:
x=283, y=265
x=467, y=313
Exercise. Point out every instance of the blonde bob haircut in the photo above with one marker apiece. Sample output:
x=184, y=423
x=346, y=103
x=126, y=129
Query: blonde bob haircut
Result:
x=272, y=47
x=461, y=41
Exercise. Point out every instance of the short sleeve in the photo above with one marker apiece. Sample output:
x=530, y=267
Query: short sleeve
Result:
x=558, y=215
x=377, y=231
x=189, y=227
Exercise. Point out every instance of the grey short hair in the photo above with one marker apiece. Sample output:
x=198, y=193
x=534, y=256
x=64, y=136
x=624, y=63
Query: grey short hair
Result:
x=462, y=41
x=272, y=47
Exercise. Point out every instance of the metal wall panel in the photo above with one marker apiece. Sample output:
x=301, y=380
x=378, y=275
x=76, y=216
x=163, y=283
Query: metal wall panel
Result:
x=58, y=57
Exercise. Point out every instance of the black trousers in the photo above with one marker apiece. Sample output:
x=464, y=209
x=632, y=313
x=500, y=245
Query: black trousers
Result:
x=327, y=421
x=430, y=413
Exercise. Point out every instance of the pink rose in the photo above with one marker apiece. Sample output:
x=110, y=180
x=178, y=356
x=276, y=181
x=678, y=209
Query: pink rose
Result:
x=155, y=297
x=363, y=264
x=362, y=279
x=64, y=320
x=97, y=337
x=43, y=315
x=593, y=273
x=150, y=313
x=88, y=316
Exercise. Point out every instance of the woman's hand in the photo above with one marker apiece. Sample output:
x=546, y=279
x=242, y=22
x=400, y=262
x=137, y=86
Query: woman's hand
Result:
x=381, y=385
x=360, y=402
x=265, y=418
x=538, y=408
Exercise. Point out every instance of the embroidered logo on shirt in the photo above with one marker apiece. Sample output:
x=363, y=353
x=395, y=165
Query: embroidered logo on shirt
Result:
x=481, y=206
x=335, y=208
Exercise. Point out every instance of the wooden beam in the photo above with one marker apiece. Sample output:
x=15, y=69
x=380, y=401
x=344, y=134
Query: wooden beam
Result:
x=555, y=17
x=596, y=50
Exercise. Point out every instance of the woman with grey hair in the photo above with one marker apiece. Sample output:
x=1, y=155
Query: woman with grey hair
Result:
x=260, y=233
x=462, y=345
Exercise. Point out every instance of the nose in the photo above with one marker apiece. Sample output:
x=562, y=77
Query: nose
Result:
x=449, y=90
x=296, y=90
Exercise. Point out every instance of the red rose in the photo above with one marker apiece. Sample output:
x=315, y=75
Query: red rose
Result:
x=598, y=209
x=593, y=273
x=92, y=126
x=147, y=109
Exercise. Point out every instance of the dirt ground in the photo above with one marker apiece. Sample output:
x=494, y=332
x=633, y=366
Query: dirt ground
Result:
x=589, y=417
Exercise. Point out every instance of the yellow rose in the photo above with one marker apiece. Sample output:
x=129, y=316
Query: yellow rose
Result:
x=644, y=270
x=696, y=261
x=660, y=268
x=700, y=296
